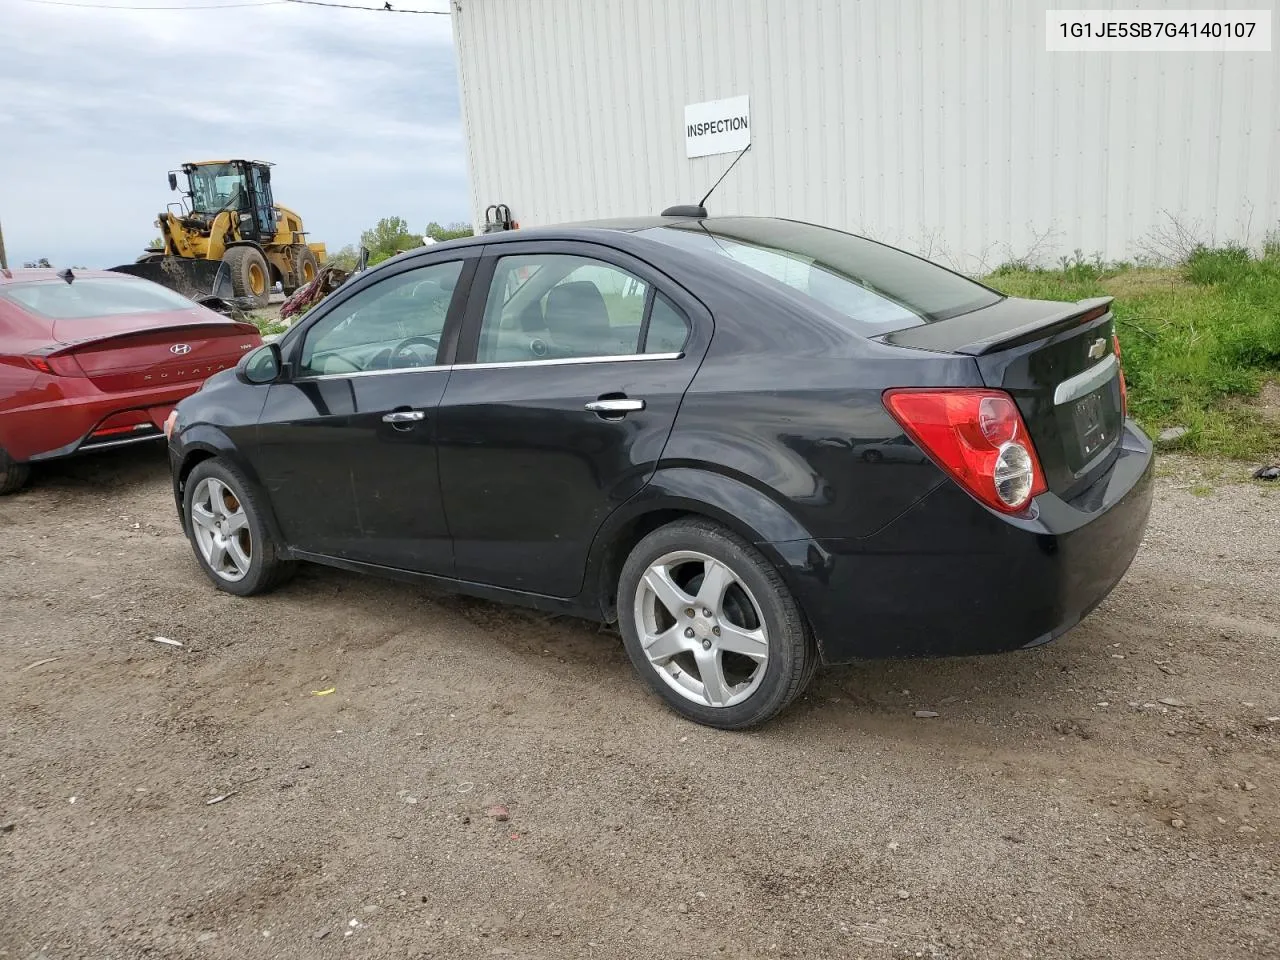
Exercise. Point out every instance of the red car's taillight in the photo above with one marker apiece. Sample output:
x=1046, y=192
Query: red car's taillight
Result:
x=1124, y=389
x=978, y=437
x=55, y=365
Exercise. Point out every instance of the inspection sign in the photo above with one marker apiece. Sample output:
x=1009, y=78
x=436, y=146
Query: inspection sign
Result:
x=717, y=126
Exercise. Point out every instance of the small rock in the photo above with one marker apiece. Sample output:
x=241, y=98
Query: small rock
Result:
x=1171, y=434
x=8, y=827
x=1246, y=829
x=1267, y=473
x=893, y=844
x=320, y=934
x=926, y=714
x=557, y=933
x=1172, y=702
x=498, y=812
x=1248, y=785
x=371, y=909
x=903, y=895
x=682, y=908
x=1177, y=823
x=206, y=936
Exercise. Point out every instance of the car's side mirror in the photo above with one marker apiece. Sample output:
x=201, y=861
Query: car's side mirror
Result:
x=261, y=366
x=173, y=180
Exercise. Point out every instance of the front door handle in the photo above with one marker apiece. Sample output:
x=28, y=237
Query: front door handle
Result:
x=616, y=407
x=403, y=416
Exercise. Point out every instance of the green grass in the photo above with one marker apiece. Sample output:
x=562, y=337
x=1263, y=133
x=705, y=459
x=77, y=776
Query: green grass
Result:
x=267, y=325
x=1198, y=340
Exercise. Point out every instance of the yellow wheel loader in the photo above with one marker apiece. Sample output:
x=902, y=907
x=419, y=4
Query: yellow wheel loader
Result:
x=228, y=219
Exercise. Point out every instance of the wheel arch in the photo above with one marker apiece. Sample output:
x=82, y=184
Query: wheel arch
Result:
x=202, y=442
x=676, y=492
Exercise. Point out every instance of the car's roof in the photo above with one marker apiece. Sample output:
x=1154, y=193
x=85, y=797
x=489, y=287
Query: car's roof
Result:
x=29, y=274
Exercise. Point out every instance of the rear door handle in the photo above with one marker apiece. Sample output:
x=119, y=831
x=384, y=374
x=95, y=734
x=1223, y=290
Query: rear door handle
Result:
x=615, y=407
x=403, y=416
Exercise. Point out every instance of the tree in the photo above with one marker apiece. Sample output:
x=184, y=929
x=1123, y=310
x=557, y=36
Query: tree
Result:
x=451, y=231
x=391, y=236
x=346, y=258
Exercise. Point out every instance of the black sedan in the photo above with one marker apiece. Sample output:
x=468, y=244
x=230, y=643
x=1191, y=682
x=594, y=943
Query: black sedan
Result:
x=757, y=445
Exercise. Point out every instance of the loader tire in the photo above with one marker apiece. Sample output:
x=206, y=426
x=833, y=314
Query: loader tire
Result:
x=305, y=267
x=250, y=275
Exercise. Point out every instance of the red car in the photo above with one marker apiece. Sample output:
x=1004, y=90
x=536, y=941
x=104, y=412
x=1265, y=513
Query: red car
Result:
x=94, y=359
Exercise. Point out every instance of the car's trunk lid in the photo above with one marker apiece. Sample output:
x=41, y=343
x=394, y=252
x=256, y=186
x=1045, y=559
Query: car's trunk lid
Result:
x=117, y=356
x=1057, y=361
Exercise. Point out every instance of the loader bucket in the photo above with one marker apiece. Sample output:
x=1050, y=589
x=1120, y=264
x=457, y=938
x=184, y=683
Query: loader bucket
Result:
x=191, y=278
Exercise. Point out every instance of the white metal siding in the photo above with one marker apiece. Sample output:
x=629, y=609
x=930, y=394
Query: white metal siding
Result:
x=942, y=126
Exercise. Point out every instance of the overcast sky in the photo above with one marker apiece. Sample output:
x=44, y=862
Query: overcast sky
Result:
x=359, y=112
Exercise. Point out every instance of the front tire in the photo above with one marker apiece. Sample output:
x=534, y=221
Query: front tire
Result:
x=226, y=525
x=13, y=475
x=250, y=274
x=711, y=627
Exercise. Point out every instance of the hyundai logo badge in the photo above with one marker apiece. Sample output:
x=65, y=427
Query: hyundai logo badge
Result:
x=1097, y=349
x=180, y=348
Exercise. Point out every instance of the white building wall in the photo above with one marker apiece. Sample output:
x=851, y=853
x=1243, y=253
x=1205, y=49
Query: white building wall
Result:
x=942, y=126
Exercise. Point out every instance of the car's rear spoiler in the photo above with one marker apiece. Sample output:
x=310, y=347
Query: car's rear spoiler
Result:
x=70, y=346
x=1008, y=323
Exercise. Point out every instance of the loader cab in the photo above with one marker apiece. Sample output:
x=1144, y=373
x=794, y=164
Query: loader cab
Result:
x=240, y=187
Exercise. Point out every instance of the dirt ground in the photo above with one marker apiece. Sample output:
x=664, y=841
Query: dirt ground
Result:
x=1055, y=808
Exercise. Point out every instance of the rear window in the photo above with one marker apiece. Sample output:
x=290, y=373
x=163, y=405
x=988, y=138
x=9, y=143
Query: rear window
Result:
x=93, y=297
x=878, y=288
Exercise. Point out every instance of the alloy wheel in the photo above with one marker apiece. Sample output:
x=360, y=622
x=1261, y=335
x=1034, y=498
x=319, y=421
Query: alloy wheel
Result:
x=221, y=529
x=701, y=629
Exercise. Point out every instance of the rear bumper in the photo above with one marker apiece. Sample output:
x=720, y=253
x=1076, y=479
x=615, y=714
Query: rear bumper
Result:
x=65, y=426
x=950, y=577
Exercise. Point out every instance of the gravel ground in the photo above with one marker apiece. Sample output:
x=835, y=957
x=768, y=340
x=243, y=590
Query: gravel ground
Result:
x=1056, y=807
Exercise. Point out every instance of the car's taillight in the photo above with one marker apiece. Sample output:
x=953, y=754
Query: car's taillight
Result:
x=1124, y=389
x=978, y=437
x=55, y=365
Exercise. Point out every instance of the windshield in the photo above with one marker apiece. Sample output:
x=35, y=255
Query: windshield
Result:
x=217, y=186
x=877, y=287
x=94, y=297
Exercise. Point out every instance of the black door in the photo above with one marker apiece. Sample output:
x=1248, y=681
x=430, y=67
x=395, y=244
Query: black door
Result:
x=576, y=359
x=347, y=445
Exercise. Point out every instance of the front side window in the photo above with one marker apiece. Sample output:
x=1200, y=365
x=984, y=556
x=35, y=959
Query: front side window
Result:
x=558, y=306
x=393, y=325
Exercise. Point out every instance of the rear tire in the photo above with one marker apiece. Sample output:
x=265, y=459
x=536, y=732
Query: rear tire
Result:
x=746, y=650
x=250, y=274
x=13, y=475
x=305, y=267
x=225, y=521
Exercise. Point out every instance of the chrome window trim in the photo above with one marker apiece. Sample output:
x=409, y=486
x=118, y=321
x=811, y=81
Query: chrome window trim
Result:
x=562, y=361
x=367, y=373
x=1087, y=382
x=555, y=362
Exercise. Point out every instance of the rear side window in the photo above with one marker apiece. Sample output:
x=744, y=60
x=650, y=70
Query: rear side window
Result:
x=559, y=306
x=94, y=297
x=876, y=287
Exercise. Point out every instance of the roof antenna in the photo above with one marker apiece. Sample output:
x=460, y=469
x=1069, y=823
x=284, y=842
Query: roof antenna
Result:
x=699, y=211
x=66, y=275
